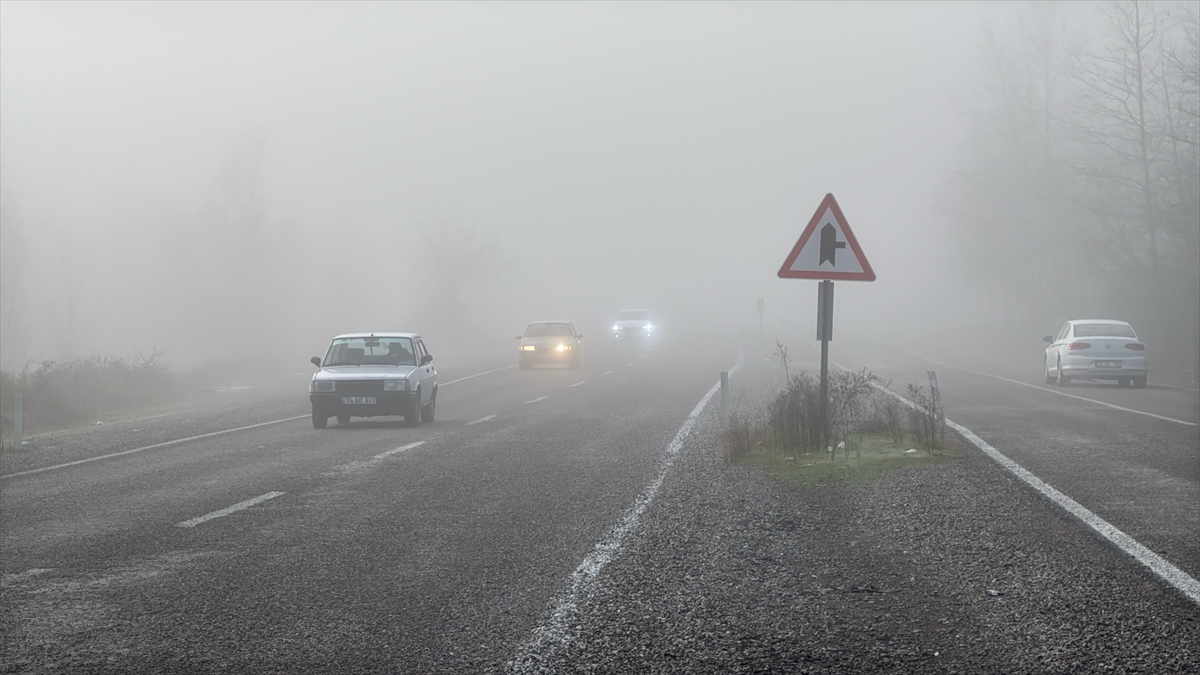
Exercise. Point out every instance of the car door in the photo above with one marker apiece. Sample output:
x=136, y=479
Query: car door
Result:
x=426, y=373
x=1060, y=345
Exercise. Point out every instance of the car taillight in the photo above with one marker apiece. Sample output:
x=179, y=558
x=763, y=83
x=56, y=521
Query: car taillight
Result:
x=1079, y=345
x=1136, y=346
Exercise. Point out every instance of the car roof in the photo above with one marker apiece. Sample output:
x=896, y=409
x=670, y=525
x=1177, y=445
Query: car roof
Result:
x=376, y=334
x=1113, y=321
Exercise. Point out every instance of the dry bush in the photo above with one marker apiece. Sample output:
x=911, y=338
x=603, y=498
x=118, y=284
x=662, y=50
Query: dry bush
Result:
x=61, y=393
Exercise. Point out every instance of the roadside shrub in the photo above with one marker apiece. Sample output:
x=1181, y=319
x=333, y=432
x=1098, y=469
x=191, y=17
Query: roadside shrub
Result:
x=60, y=393
x=859, y=406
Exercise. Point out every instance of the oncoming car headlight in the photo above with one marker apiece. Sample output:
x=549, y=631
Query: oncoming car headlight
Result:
x=395, y=385
x=528, y=348
x=328, y=385
x=563, y=348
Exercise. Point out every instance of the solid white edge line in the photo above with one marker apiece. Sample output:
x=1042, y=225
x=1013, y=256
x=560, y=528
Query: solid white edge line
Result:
x=552, y=635
x=577, y=383
x=486, y=372
x=1174, y=576
x=393, y=451
x=151, y=447
x=481, y=420
x=540, y=398
x=1052, y=391
x=229, y=509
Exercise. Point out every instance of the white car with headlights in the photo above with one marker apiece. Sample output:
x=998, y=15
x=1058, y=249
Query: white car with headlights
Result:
x=371, y=375
x=548, y=342
x=1096, y=349
x=632, y=324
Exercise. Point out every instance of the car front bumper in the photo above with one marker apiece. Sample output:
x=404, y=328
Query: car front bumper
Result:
x=386, y=403
x=548, y=356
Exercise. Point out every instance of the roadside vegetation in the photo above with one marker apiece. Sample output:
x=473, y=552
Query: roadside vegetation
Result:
x=58, y=394
x=870, y=429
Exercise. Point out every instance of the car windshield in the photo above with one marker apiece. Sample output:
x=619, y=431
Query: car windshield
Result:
x=633, y=315
x=1104, y=330
x=370, y=351
x=545, y=329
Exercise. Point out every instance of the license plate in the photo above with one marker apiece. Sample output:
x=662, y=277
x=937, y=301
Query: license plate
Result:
x=1108, y=364
x=358, y=400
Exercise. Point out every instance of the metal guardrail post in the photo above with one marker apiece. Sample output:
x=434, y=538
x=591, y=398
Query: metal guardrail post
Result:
x=18, y=421
x=725, y=399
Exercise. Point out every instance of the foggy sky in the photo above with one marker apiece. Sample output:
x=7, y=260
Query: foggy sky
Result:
x=655, y=155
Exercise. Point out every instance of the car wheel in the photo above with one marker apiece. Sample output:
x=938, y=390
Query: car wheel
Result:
x=343, y=419
x=428, y=412
x=1049, y=377
x=1061, y=378
x=413, y=416
x=1139, y=382
x=1124, y=382
x=319, y=421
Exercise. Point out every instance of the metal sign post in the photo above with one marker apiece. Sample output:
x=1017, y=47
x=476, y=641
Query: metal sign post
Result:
x=818, y=258
x=825, y=335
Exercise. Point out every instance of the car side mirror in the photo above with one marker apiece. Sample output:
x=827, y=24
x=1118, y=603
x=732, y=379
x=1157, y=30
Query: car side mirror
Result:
x=520, y=336
x=316, y=361
x=426, y=359
x=1048, y=339
x=580, y=336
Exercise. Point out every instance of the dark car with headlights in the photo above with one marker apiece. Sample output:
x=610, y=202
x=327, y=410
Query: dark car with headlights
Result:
x=549, y=342
x=372, y=375
x=632, y=324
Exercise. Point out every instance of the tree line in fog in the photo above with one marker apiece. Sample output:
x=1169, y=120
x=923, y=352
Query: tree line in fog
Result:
x=1078, y=192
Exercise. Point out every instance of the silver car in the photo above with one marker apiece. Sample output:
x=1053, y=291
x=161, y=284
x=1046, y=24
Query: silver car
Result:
x=374, y=374
x=1096, y=349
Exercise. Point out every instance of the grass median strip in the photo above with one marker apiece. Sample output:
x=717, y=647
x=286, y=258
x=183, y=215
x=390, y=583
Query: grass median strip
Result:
x=229, y=509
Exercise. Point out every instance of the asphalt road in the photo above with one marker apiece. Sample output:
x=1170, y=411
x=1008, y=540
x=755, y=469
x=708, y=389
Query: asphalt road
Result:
x=367, y=551
x=374, y=547
x=1131, y=456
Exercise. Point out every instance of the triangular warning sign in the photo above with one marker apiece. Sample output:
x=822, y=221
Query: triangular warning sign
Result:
x=827, y=249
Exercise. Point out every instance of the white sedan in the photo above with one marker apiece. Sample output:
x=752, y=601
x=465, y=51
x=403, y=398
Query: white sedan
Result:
x=1096, y=349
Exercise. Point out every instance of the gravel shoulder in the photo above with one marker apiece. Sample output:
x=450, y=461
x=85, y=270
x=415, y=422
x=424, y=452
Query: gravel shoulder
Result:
x=950, y=568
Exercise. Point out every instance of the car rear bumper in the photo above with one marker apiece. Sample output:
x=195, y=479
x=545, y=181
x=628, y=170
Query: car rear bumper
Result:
x=387, y=403
x=1085, y=367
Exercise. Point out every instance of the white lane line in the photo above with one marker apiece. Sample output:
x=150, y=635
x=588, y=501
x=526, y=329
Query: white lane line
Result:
x=1156, y=563
x=486, y=372
x=642, y=356
x=609, y=372
x=393, y=451
x=577, y=383
x=1060, y=393
x=628, y=365
x=228, y=510
x=1181, y=580
x=151, y=447
x=481, y=420
x=552, y=635
x=540, y=398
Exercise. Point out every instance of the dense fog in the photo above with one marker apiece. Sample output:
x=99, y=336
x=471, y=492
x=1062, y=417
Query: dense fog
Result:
x=240, y=181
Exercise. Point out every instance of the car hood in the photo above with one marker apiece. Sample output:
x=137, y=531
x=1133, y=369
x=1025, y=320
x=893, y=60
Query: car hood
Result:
x=373, y=372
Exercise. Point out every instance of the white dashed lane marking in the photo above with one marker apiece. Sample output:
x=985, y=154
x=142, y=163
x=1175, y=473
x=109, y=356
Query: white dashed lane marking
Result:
x=481, y=420
x=229, y=509
x=540, y=398
x=628, y=365
x=394, y=451
x=579, y=383
x=609, y=372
